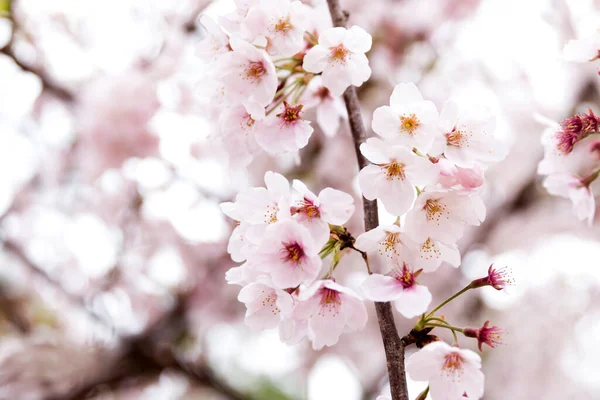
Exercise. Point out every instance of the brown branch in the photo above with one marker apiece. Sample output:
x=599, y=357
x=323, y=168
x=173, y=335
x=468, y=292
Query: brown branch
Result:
x=393, y=345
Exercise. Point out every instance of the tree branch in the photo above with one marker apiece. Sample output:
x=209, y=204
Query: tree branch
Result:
x=394, y=347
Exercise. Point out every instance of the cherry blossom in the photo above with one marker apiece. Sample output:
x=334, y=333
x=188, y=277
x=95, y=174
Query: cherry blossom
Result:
x=583, y=50
x=237, y=128
x=453, y=373
x=498, y=278
x=216, y=41
x=394, y=175
x=248, y=75
x=409, y=120
x=277, y=24
x=266, y=306
x=453, y=176
x=330, y=108
x=285, y=131
x=330, y=309
x=490, y=335
x=441, y=215
x=400, y=286
x=431, y=253
x=340, y=56
x=386, y=247
x=331, y=206
x=288, y=254
x=467, y=137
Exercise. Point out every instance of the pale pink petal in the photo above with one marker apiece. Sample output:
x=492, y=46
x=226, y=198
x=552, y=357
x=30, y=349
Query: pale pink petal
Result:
x=354, y=311
x=336, y=207
x=381, y=288
x=316, y=59
x=413, y=301
x=358, y=40
x=405, y=93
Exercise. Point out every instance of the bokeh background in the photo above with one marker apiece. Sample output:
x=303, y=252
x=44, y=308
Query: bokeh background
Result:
x=113, y=247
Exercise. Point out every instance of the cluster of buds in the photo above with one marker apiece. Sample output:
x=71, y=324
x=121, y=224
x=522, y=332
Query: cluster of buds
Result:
x=268, y=62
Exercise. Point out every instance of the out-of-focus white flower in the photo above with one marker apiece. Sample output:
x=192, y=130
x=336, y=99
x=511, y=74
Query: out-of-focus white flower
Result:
x=279, y=25
x=330, y=309
x=409, y=120
x=285, y=131
x=453, y=373
x=340, y=56
x=216, y=41
x=583, y=50
x=394, y=175
x=442, y=215
x=400, y=286
x=468, y=137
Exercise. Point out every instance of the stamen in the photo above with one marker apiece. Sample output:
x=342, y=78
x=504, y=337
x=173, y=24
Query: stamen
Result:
x=409, y=123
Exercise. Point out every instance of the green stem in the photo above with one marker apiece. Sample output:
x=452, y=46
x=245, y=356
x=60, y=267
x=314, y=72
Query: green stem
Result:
x=293, y=87
x=437, y=319
x=448, y=300
x=452, y=329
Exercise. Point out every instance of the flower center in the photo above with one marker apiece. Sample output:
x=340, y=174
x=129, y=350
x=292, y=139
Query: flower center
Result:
x=434, y=210
x=453, y=363
x=290, y=114
x=247, y=122
x=429, y=250
x=330, y=302
x=271, y=213
x=293, y=252
x=270, y=301
x=307, y=209
x=283, y=25
x=322, y=93
x=255, y=70
x=388, y=245
x=338, y=54
x=394, y=170
x=409, y=123
x=456, y=138
x=405, y=276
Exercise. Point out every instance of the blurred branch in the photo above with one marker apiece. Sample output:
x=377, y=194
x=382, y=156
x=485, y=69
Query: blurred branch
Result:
x=393, y=345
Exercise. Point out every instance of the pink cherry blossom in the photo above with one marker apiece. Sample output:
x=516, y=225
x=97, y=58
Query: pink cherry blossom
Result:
x=431, y=253
x=314, y=212
x=400, y=286
x=277, y=24
x=248, y=75
x=409, y=120
x=468, y=137
x=215, y=41
x=452, y=372
x=394, y=175
x=330, y=309
x=288, y=254
x=237, y=128
x=285, y=131
x=386, y=247
x=330, y=108
x=453, y=176
x=583, y=50
x=441, y=215
x=340, y=56
x=266, y=306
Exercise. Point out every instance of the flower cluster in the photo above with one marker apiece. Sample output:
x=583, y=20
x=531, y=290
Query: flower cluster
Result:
x=270, y=61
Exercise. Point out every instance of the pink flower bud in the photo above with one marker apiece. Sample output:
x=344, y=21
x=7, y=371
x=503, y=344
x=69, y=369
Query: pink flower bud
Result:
x=490, y=335
x=496, y=278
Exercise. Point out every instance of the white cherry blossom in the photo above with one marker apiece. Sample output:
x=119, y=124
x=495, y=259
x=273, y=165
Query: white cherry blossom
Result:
x=409, y=120
x=237, y=128
x=453, y=176
x=441, y=215
x=453, y=373
x=386, y=247
x=394, y=175
x=583, y=50
x=430, y=254
x=400, y=286
x=284, y=131
x=330, y=109
x=288, y=254
x=330, y=309
x=314, y=212
x=215, y=41
x=340, y=56
x=266, y=305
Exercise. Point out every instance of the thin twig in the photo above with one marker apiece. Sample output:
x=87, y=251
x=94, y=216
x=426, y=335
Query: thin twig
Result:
x=393, y=345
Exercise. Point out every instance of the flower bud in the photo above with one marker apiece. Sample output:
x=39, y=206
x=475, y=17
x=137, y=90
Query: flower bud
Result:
x=496, y=278
x=489, y=335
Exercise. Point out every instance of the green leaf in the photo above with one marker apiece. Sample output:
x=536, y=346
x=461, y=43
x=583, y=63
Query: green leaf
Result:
x=4, y=7
x=268, y=391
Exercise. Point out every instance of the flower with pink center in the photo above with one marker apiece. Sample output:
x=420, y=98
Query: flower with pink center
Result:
x=317, y=212
x=468, y=137
x=441, y=215
x=266, y=306
x=408, y=121
x=496, y=278
x=330, y=309
x=340, y=56
x=248, y=75
x=583, y=50
x=452, y=176
x=400, y=286
x=386, y=247
x=571, y=175
x=279, y=25
x=394, y=175
x=490, y=335
x=285, y=131
x=237, y=129
x=288, y=254
x=453, y=373
x=330, y=108
x=215, y=41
